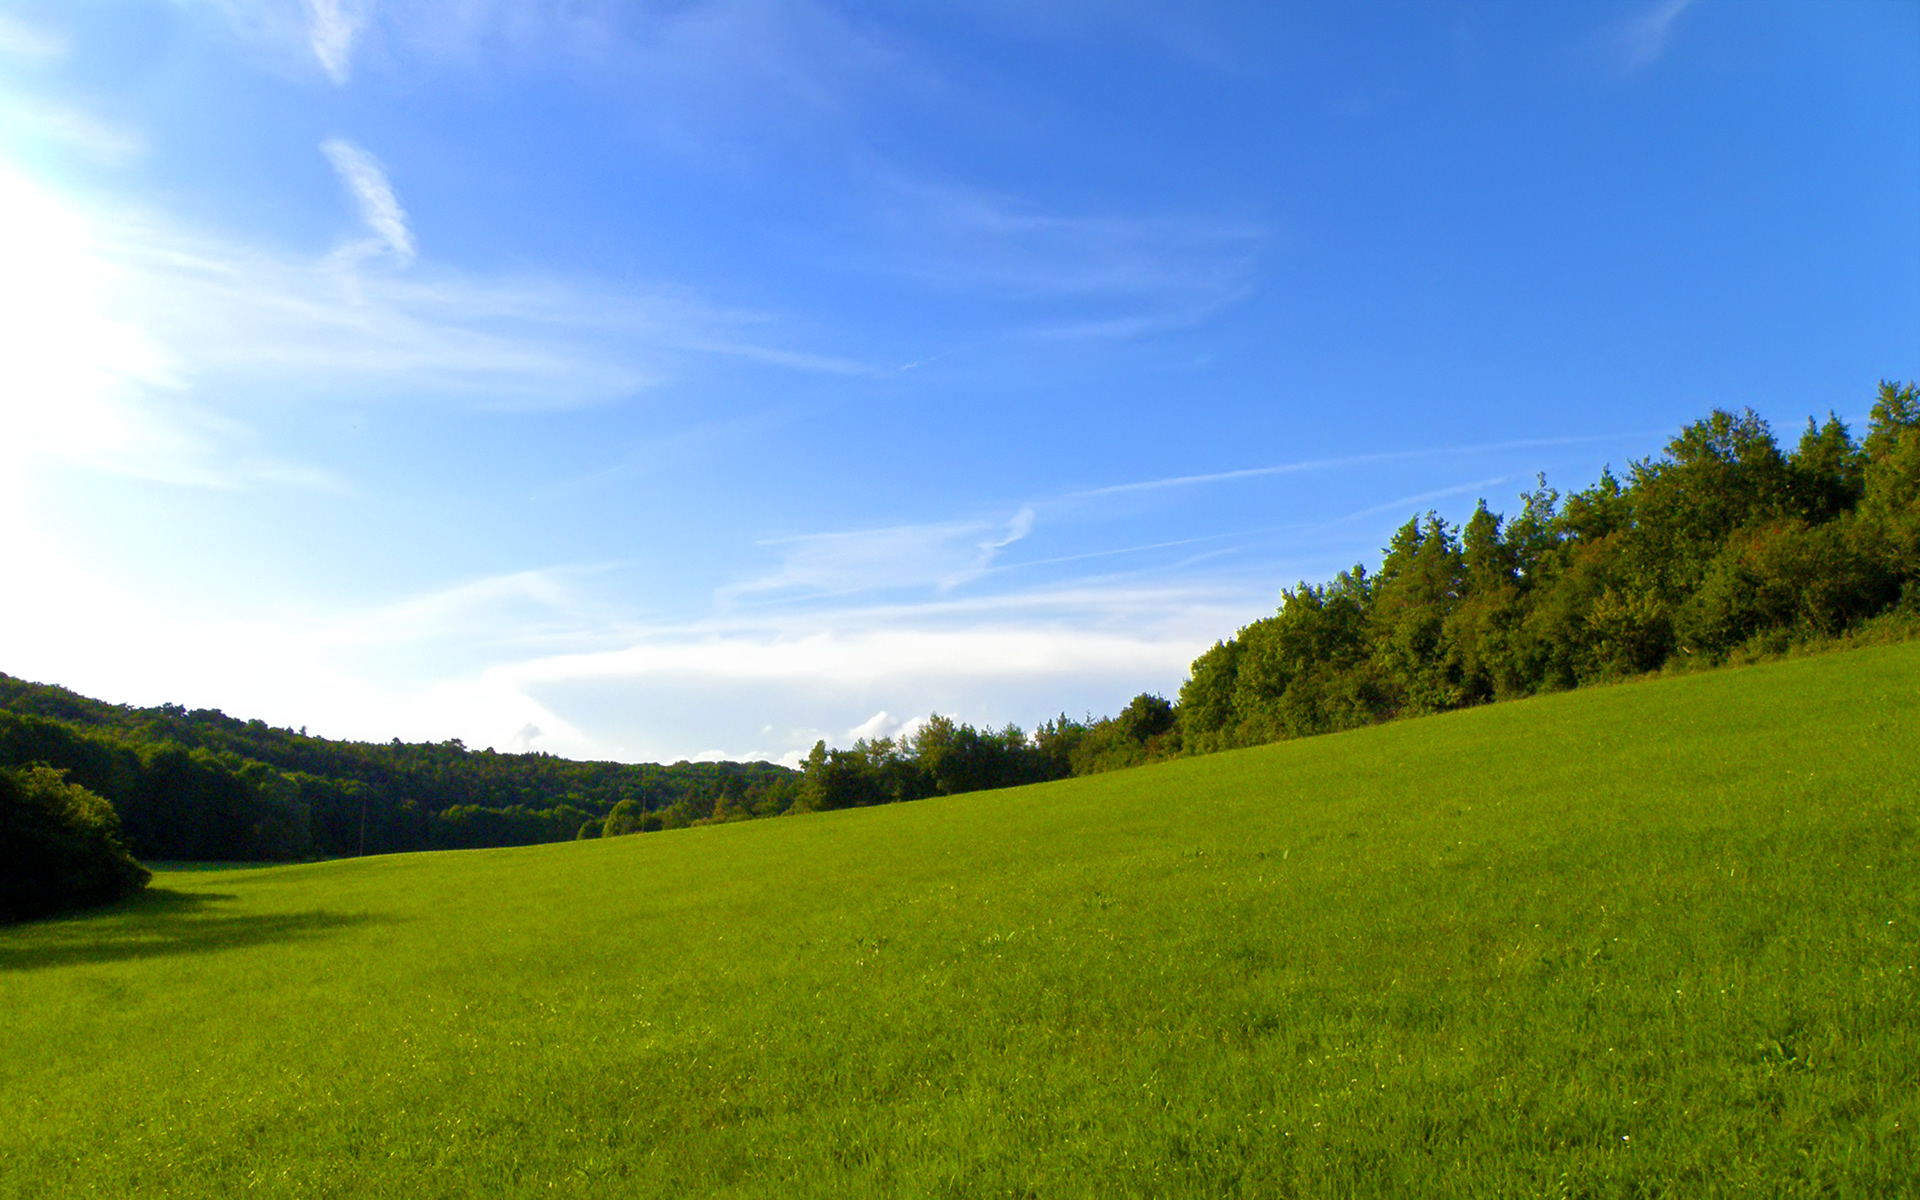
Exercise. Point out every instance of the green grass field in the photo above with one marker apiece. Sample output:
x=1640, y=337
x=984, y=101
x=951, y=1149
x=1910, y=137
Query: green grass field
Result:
x=1649, y=940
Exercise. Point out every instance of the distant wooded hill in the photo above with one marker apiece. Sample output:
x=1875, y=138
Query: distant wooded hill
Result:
x=200, y=785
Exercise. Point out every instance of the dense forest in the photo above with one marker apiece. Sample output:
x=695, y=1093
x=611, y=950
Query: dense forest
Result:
x=1723, y=548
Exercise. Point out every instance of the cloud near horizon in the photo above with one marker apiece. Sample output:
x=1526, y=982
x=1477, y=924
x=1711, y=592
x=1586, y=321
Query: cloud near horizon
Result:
x=532, y=660
x=737, y=683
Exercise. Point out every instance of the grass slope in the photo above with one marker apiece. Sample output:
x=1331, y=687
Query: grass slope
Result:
x=1646, y=940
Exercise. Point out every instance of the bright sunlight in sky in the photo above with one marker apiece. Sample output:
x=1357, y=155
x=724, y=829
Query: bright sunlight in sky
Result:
x=699, y=379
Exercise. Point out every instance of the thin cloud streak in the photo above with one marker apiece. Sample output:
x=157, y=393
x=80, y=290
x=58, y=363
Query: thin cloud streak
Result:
x=1332, y=464
x=940, y=556
x=1031, y=252
x=1400, y=504
x=366, y=181
x=1118, y=276
x=506, y=652
x=1646, y=39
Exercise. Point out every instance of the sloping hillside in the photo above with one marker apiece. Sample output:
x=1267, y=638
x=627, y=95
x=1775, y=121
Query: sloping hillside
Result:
x=1657, y=939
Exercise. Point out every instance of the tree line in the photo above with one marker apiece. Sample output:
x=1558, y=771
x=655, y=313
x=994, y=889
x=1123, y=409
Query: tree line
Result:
x=1723, y=547
x=201, y=786
x=943, y=757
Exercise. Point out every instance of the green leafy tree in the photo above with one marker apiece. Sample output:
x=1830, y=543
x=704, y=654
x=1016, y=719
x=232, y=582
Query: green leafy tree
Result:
x=1890, y=500
x=60, y=847
x=624, y=818
x=1420, y=579
x=1827, y=472
x=1719, y=474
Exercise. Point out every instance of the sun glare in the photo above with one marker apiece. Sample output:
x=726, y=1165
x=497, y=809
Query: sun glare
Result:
x=76, y=371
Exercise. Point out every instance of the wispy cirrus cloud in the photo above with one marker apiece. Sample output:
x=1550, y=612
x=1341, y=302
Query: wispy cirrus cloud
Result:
x=1647, y=37
x=138, y=346
x=303, y=33
x=938, y=556
x=333, y=27
x=32, y=113
x=554, y=658
x=366, y=181
x=703, y=67
x=1082, y=275
x=545, y=656
x=739, y=85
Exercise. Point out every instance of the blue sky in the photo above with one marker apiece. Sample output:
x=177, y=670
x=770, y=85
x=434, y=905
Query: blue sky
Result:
x=699, y=379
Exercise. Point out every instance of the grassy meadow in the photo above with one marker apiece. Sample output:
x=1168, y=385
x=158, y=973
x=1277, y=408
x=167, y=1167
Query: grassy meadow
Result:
x=1649, y=940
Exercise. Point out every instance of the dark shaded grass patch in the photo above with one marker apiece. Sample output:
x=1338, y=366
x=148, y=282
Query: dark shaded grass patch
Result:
x=161, y=922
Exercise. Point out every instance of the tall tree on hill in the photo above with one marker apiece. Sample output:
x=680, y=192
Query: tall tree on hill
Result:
x=1890, y=499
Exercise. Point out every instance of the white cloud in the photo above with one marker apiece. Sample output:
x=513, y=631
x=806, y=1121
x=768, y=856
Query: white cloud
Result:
x=880, y=724
x=851, y=656
x=18, y=39
x=1646, y=38
x=366, y=181
x=1021, y=659
x=29, y=113
x=942, y=556
x=333, y=27
x=84, y=632
x=1333, y=464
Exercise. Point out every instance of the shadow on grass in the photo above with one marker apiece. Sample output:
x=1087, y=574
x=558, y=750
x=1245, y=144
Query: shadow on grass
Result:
x=157, y=923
